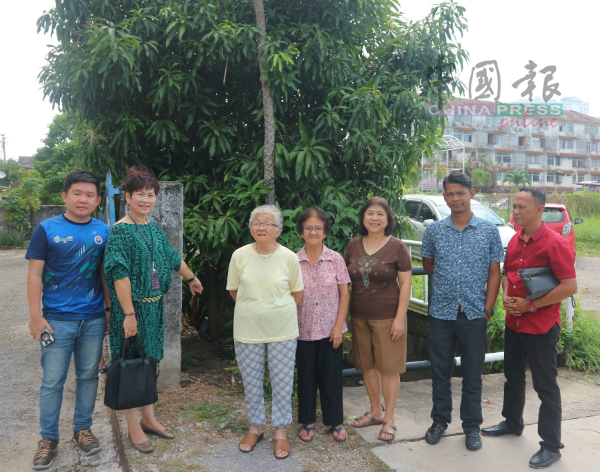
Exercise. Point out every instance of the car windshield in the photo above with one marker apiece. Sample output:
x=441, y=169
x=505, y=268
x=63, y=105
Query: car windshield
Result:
x=480, y=211
x=553, y=215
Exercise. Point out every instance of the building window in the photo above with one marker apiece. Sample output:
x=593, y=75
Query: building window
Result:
x=567, y=144
x=561, y=127
x=529, y=159
x=503, y=158
x=522, y=141
x=550, y=160
x=513, y=140
x=589, y=129
x=535, y=143
x=500, y=177
x=570, y=127
x=580, y=177
x=596, y=163
x=588, y=147
x=594, y=147
x=464, y=137
x=489, y=120
x=534, y=177
x=550, y=178
x=497, y=139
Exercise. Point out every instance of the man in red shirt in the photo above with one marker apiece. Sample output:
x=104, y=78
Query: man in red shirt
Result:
x=533, y=327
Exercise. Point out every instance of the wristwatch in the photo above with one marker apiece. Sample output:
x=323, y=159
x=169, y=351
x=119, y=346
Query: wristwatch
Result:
x=489, y=312
x=189, y=280
x=107, y=309
x=531, y=307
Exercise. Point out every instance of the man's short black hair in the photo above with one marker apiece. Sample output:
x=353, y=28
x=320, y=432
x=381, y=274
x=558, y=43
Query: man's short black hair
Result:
x=537, y=194
x=313, y=211
x=79, y=175
x=457, y=177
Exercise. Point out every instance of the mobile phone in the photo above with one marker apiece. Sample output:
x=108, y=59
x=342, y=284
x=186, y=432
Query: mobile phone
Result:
x=46, y=338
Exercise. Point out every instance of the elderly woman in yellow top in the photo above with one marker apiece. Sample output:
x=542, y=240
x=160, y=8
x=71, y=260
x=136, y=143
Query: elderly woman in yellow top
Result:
x=265, y=281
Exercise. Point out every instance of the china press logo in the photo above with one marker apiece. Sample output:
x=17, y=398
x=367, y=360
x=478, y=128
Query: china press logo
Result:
x=58, y=239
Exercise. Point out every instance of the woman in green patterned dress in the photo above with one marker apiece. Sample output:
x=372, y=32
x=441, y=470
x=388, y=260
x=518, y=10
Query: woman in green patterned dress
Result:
x=138, y=265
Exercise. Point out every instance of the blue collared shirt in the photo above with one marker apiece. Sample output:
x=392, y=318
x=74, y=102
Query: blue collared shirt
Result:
x=461, y=264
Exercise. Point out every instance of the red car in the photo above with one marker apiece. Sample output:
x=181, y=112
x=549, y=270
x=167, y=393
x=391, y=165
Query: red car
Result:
x=558, y=219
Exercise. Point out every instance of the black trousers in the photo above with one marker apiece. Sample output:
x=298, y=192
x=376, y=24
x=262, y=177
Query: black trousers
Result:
x=442, y=338
x=538, y=351
x=320, y=366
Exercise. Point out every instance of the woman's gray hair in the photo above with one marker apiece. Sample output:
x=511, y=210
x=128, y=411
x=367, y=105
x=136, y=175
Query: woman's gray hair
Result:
x=267, y=209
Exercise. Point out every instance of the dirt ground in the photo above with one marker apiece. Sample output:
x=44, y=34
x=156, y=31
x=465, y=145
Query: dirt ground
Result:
x=588, y=283
x=209, y=419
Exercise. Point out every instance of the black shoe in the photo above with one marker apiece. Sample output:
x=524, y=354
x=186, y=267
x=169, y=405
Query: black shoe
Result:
x=473, y=441
x=543, y=458
x=500, y=429
x=434, y=434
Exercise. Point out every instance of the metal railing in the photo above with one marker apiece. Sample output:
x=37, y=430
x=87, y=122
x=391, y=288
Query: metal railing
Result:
x=419, y=271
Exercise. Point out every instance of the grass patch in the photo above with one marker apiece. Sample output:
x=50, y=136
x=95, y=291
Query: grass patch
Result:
x=218, y=416
x=588, y=237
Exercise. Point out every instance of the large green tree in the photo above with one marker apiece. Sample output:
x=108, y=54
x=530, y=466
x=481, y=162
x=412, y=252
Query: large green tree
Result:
x=61, y=153
x=176, y=87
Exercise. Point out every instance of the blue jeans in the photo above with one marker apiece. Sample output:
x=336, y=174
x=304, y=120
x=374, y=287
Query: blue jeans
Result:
x=84, y=339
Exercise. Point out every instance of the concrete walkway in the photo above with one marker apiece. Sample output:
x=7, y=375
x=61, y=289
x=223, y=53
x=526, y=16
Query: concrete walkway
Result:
x=581, y=428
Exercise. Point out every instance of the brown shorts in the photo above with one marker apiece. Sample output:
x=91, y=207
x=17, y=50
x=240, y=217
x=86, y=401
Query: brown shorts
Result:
x=372, y=347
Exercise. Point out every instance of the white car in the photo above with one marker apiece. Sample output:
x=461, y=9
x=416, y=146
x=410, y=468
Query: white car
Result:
x=423, y=210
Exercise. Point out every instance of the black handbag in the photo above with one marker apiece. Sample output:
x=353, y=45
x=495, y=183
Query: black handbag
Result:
x=538, y=282
x=131, y=383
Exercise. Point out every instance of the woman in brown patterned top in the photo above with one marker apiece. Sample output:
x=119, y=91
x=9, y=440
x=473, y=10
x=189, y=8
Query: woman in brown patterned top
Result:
x=381, y=272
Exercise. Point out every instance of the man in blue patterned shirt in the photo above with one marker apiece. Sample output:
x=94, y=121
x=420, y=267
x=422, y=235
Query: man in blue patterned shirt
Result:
x=463, y=254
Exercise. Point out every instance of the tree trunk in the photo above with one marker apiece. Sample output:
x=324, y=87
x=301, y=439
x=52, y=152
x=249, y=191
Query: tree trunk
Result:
x=269, y=144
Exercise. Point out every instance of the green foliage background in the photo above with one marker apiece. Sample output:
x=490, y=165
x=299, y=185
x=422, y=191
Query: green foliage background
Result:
x=175, y=87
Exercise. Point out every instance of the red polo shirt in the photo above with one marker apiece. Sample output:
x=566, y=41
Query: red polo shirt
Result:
x=544, y=248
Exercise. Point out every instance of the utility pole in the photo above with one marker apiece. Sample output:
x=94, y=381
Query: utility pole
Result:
x=4, y=146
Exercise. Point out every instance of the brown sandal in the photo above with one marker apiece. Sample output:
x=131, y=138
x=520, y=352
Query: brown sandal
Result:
x=386, y=430
x=281, y=445
x=363, y=424
x=251, y=439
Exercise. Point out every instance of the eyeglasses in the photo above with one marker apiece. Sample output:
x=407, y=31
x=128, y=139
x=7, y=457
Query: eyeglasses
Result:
x=310, y=229
x=263, y=225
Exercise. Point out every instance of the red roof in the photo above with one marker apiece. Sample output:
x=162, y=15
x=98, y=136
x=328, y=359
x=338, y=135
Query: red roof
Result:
x=568, y=171
x=531, y=151
x=464, y=128
x=504, y=150
x=534, y=169
x=506, y=168
x=537, y=134
x=563, y=136
x=500, y=131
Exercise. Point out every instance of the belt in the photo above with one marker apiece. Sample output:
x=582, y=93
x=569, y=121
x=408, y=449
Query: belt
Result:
x=149, y=300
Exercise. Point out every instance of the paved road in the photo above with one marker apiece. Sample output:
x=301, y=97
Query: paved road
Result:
x=20, y=379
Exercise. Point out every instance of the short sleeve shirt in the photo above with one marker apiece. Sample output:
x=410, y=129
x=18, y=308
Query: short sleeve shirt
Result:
x=318, y=310
x=545, y=248
x=72, y=254
x=265, y=310
x=375, y=291
x=461, y=264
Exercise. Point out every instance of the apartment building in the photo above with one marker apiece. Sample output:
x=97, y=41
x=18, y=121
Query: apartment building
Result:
x=557, y=156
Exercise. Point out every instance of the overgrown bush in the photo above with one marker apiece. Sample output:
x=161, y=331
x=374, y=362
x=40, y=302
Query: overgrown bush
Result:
x=12, y=238
x=580, y=204
x=20, y=202
x=581, y=345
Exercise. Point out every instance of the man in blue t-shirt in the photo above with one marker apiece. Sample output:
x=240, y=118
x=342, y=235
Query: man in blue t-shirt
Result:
x=65, y=259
